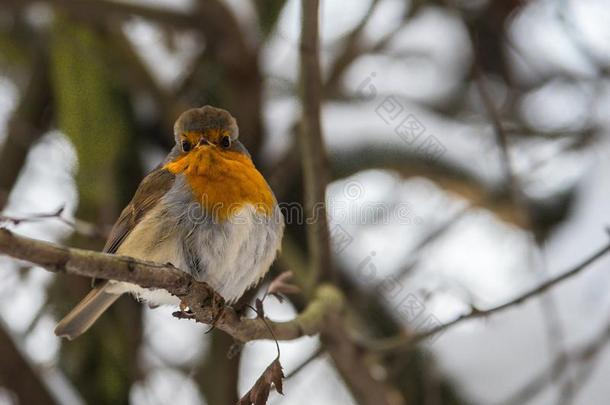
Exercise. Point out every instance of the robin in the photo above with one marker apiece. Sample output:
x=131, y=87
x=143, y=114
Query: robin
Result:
x=206, y=209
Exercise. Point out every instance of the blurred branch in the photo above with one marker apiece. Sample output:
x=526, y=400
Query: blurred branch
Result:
x=27, y=125
x=138, y=73
x=432, y=236
x=313, y=151
x=552, y=321
x=93, y=10
x=565, y=15
x=366, y=310
x=347, y=356
x=18, y=375
x=444, y=228
x=202, y=300
x=405, y=341
x=560, y=365
x=268, y=14
x=500, y=133
x=449, y=176
x=218, y=376
x=350, y=360
x=354, y=47
x=224, y=34
x=227, y=72
x=317, y=353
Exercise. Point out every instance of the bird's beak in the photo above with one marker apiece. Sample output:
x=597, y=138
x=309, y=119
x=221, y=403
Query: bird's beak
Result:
x=205, y=142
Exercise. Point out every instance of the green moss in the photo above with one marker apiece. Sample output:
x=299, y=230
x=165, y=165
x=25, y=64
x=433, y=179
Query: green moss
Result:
x=89, y=111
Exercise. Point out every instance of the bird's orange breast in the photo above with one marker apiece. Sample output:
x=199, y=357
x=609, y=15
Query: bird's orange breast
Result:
x=223, y=181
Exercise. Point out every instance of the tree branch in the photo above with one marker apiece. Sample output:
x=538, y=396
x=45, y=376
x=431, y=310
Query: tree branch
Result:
x=200, y=298
x=92, y=10
x=346, y=355
x=560, y=365
x=315, y=165
x=404, y=342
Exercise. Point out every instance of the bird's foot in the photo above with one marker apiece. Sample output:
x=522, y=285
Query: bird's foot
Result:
x=218, y=306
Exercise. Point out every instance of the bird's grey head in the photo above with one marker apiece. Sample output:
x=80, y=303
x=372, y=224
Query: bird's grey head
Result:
x=207, y=126
x=206, y=120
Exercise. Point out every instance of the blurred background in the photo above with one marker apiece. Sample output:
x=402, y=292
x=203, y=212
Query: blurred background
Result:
x=468, y=143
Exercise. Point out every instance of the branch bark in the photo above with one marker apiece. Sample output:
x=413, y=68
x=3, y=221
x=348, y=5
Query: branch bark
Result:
x=201, y=299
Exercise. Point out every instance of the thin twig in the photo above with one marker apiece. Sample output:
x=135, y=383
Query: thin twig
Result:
x=501, y=136
x=552, y=321
x=560, y=365
x=319, y=351
x=434, y=235
x=79, y=226
x=404, y=342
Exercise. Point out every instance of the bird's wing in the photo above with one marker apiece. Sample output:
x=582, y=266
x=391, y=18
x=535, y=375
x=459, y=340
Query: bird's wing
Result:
x=151, y=190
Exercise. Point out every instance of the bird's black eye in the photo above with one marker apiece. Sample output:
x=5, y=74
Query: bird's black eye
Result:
x=186, y=146
x=225, y=142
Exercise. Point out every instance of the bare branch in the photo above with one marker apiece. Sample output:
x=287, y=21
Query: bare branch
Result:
x=138, y=74
x=555, y=333
x=560, y=366
x=403, y=342
x=350, y=359
x=496, y=121
x=347, y=356
x=431, y=237
x=354, y=47
x=350, y=52
x=313, y=356
x=315, y=165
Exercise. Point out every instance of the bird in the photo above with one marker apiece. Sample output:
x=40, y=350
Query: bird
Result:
x=205, y=209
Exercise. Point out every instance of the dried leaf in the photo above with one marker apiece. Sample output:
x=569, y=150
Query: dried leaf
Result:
x=259, y=393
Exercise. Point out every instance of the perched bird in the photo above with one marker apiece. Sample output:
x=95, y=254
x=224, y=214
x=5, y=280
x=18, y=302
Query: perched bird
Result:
x=206, y=209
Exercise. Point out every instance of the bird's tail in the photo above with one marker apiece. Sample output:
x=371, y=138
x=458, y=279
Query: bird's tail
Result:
x=86, y=312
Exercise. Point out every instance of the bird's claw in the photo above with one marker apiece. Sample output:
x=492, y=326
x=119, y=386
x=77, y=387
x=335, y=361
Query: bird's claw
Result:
x=218, y=305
